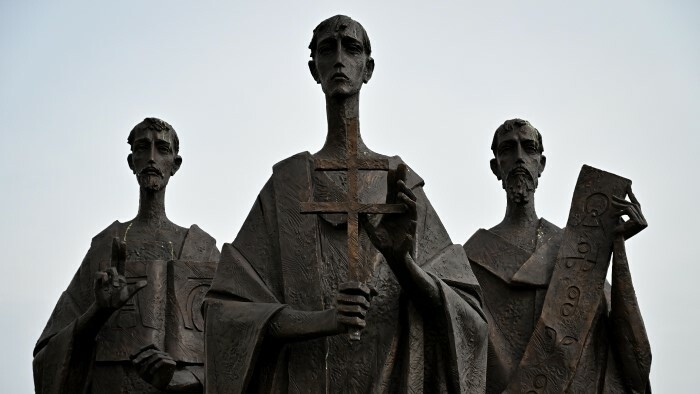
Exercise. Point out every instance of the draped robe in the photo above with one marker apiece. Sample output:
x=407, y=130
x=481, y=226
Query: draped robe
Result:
x=64, y=363
x=514, y=283
x=282, y=258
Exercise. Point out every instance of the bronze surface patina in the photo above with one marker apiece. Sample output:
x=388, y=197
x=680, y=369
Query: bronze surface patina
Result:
x=130, y=319
x=344, y=240
x=555, y=324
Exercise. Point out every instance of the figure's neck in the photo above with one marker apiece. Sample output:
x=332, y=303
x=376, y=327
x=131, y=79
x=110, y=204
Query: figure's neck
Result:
x=338, y=112
x=152, y=208
x=521, y=215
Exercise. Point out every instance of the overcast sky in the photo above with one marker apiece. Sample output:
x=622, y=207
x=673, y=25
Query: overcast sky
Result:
x=611, y=84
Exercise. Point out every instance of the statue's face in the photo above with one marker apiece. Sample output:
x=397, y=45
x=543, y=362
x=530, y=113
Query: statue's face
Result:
x=153, y=159
x=518, y=163
x=340, y=63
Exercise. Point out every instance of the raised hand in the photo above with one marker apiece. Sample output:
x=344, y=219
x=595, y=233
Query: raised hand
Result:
x=395, y=235
x=633, y=210
x=154, y=366
x=111, y=289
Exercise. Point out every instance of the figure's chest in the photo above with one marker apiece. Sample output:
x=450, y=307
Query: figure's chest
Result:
x=332, y=186
x=512, y=311
x=147, y=244
x=525, y=238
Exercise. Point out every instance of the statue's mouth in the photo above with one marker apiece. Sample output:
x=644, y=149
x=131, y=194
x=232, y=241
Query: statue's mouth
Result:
x=340, y=76
x=151, y=171
x=520, y=171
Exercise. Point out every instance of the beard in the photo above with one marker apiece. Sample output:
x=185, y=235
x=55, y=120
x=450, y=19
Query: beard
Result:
x=151, y=181
x=519, y=186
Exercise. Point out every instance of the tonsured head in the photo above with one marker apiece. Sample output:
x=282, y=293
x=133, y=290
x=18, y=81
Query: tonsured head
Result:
x=340, y=56
x=154, y=148
x=518, y=160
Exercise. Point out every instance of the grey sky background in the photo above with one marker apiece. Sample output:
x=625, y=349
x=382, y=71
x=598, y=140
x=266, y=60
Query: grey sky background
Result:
x=611, y=84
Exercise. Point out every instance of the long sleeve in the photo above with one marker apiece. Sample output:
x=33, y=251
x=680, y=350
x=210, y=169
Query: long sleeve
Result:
x=629, y=336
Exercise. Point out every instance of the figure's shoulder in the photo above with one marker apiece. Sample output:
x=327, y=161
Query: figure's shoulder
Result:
x=198, y=245
x=412, y=178
x=548, y=227
x=200, y=233
x=478, y=240
x=292, y=160
x=113, y=230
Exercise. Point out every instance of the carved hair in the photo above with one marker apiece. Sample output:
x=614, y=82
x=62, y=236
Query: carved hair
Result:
x=515, y=124
x=156, y=125
x=336, y=23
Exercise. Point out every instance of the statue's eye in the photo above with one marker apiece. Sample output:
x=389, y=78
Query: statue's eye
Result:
x=530, y=148
x=325, y=48
x=504, y=148
x=355, y=49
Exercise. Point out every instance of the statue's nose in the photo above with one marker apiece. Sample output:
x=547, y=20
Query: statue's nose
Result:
x=339, y=58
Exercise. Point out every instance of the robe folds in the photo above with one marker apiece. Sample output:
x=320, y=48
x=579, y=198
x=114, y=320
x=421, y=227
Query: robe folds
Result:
x=66, y=364
x=515, y=283
x=284, y=259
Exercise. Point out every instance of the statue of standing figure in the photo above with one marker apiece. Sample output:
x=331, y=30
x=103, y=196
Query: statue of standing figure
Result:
x=343, y=279
x=130, y=319
x=292, y=283
x=555, y=324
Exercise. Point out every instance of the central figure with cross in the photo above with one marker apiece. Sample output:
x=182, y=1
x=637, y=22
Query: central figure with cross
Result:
x=343, y=278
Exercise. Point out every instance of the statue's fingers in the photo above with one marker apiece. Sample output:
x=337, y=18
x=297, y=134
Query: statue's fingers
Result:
x=352, y=310
x=347, y=299
x=401, y=171
x=372, y=233
x=619, y=213
x=352, y=321
x=144, y=355
x=638, y=217
x=354, y=287
x=630, y=194
x=156, y=364
x=632, y=197
x=113, y=276
x=406, y=190
x=129, y=291
x=410, y=203
x=100, y=279
x=633, y=213
x=145, y=365
x=619, y=202
x=121, y=258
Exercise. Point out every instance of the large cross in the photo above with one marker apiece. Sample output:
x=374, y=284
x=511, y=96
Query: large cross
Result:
x=352, y=206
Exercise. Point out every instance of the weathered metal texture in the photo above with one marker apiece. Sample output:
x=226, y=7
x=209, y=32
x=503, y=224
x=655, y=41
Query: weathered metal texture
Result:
x=352, y=206
x=141, y=321
x=188, y=283
x=166, y=313
x=576, y=287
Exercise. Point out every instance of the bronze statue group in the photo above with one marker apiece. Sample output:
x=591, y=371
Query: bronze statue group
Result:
x=343, y=279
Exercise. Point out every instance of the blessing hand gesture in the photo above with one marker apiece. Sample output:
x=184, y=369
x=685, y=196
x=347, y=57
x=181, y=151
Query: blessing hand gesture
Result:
x=111, y=290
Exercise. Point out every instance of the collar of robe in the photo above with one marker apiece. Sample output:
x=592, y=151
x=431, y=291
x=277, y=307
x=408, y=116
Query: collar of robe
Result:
x=512, y=264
